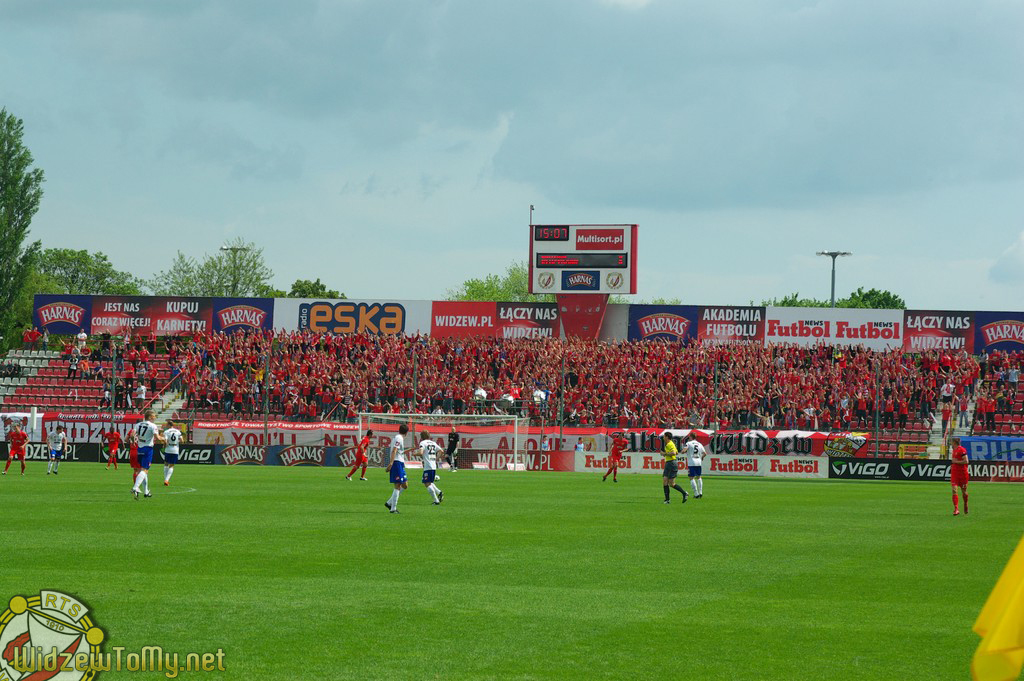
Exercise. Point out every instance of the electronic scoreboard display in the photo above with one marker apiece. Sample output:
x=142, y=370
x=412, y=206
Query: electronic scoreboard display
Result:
x=583, y=258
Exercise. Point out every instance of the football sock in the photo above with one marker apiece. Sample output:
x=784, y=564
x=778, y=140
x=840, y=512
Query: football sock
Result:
x=610, y=472
x=393, y=501
x=144, y=478
x=965, y=501
x=49, y=466
x=666, y=492
x=432, y=488
x=56, y=465
x=138, y=481
x=23, y=467
x=166, y=477
x=700, y=486
x=693, y=484
x=8, y=464
x=363, y=474
x=168, y=474
x=681, y=490
x=353, y=471
x=956, y=502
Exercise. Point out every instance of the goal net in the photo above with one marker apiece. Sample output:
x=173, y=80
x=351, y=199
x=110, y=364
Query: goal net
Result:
x=492, y=442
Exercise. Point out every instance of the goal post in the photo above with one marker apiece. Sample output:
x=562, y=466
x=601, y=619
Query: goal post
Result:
x=496, y=442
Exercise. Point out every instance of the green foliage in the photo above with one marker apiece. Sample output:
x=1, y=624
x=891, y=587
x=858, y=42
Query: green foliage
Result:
x=238, y=269
x=82, y=273
x=512, y=287
x=873, y=299
x=304, y=288
x=21, y=191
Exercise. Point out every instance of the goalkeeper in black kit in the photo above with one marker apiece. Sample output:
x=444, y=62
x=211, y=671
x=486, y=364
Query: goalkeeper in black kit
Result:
x=452, y=451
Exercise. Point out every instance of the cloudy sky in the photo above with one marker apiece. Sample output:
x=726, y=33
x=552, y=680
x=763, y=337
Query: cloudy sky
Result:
x=393, y=148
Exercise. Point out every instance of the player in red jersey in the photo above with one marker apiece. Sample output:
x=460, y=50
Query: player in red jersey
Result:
x=133, y=455
x=113, y=439
x=958, y=476
x=361, y=459
x=17, y=439
x=619, y=445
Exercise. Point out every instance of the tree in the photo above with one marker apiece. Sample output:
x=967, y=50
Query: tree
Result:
x=873, y=299
x=512, y=287
x=304, y=288
x=21, y=190
x=238, y=269
x=79, y=272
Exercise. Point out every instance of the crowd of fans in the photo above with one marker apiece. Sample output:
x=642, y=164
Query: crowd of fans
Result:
x=622, y=384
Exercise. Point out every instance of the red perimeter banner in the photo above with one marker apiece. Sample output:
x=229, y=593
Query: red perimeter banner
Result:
x=730, y=324
x=458, y=319
x=938, y=330
x=87, y=427
x=162, y=316
x=253, y=433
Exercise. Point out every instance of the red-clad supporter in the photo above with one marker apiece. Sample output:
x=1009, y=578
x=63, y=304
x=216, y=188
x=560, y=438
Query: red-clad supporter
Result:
x=623, y=384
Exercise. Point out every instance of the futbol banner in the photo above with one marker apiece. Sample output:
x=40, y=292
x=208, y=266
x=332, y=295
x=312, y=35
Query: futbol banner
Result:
x=1002, y=331
x=664, y=322
x=993, y=448
x=938, y=330
x=808, y=326
x=714, y=464
x=461, y=319
x=922, y=470
x=82, y=427
x=731, y=324
x=63, y=315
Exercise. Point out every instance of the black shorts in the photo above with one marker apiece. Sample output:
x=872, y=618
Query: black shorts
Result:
x=671, y=470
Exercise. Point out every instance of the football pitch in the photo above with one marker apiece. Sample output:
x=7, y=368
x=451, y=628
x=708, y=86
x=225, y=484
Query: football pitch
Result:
x=297, y=574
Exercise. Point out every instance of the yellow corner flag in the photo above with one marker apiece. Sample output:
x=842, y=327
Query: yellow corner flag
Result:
x=1001, y=626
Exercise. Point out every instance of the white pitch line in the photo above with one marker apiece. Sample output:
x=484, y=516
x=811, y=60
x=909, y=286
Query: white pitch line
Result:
x=187, y=490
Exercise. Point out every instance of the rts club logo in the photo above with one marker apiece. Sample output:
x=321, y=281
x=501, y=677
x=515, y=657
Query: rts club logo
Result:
x=615, y=280
x=546, y=280
x=49, y=636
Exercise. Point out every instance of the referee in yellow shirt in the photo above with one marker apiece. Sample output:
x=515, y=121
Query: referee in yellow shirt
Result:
x=668, y=477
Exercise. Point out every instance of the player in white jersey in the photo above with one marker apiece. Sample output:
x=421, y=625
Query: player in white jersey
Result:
x=396, y=467
x=147, y=432
x=172, y=438
x=695, y=454
x=57, y=442
x=430, y=453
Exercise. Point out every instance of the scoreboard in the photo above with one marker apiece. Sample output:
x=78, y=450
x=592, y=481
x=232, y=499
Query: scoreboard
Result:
x=583, y=258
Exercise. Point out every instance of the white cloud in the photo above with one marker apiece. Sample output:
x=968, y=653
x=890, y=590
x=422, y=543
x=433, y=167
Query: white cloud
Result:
x=1009, y=267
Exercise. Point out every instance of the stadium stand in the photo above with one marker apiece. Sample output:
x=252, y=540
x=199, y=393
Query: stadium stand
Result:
x=626, y=384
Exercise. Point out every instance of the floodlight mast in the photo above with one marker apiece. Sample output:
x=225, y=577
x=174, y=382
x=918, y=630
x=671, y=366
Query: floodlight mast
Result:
x=834, y=255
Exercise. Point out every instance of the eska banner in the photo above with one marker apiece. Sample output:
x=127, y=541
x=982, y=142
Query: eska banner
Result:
x=925, y=330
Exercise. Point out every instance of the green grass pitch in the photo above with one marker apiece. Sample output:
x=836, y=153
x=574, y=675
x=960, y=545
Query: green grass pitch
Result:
x=298, y=574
